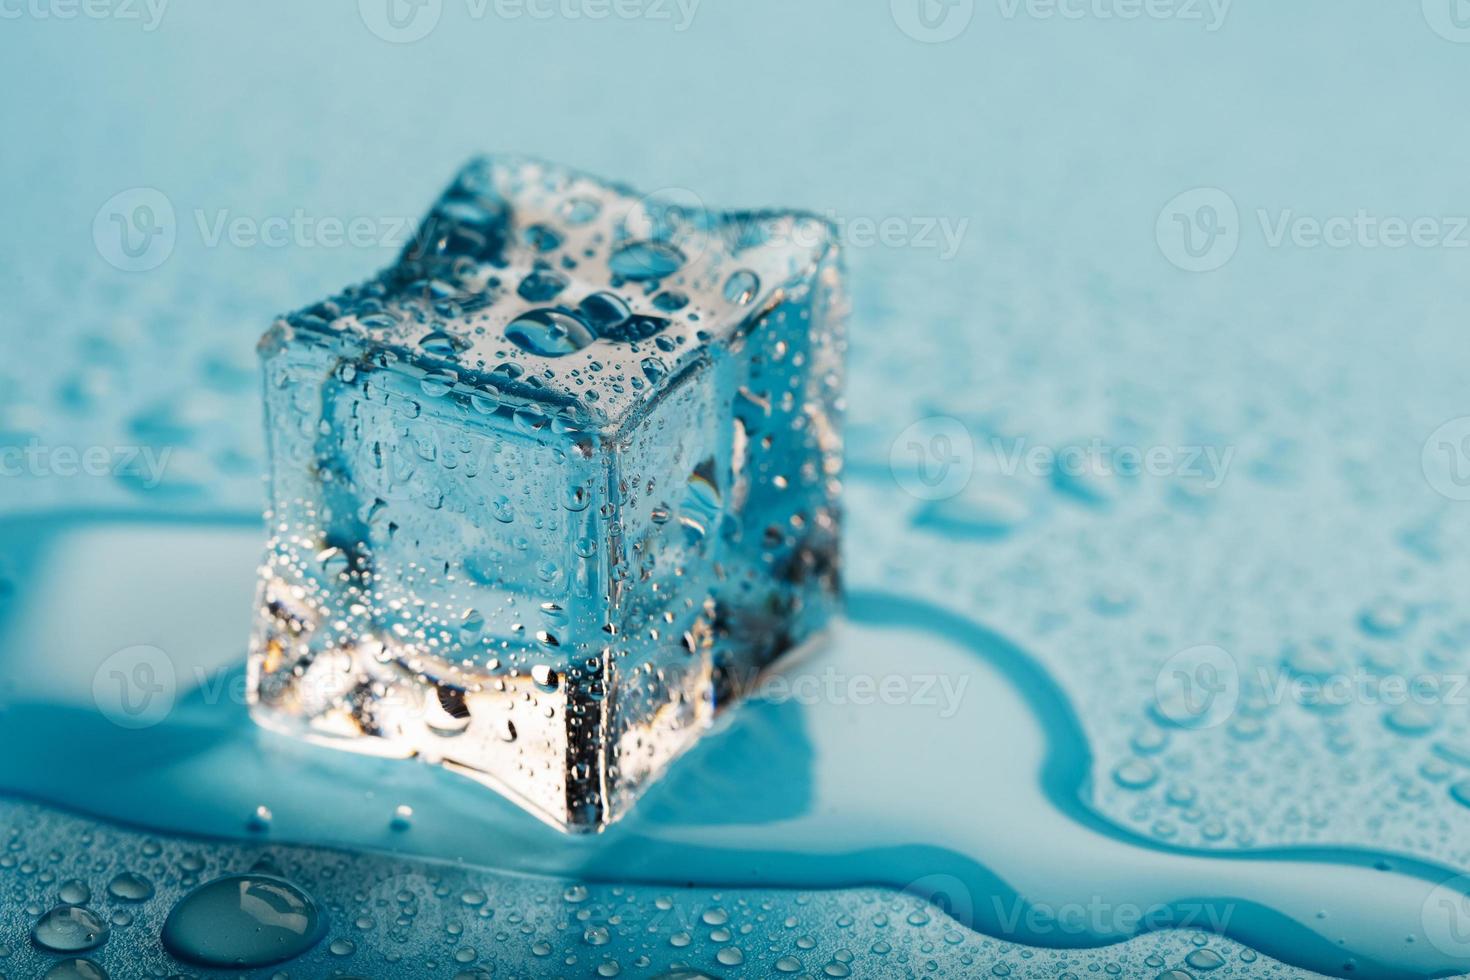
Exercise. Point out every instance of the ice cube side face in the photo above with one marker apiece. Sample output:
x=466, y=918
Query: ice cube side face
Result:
x=552, y=491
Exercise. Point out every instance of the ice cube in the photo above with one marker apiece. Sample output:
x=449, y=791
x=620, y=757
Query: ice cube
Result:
x=551, y=491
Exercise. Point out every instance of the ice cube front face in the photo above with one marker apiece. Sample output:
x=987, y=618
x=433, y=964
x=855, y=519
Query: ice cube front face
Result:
x=551, y=491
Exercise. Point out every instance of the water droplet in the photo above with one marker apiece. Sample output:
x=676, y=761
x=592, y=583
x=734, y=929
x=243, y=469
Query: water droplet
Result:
x=75, y=969
x=1386, y=618
x=243, y=921
x=1411, y=719
x=545, y=677
x=671, y=302
x=1135, y=774
x=485, y=399
x=442, y=344
x=74, y=892
x=260, y=820
x=742, y=286
x=550, y=333
x=580, y=210
x=130, y=887
x=653, y=369
x=542, y=285
x=1204, y=959
x=402, y=817
x=69, y=929
x=640, y=260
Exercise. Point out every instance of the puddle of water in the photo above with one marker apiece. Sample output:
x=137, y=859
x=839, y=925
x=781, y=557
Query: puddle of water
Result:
x=914, y=750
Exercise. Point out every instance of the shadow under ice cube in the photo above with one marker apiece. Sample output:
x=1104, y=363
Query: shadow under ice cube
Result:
x=552, y=490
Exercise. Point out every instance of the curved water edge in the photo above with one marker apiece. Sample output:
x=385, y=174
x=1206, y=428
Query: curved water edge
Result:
x=994, y=779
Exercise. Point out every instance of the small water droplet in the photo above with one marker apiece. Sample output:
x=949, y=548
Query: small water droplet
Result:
x=130, y=887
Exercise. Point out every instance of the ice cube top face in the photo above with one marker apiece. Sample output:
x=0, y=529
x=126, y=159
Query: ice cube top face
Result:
x=552, y=490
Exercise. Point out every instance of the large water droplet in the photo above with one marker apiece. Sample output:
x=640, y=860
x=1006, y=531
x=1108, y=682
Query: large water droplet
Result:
x=645, y=260
x=75, y=969
x=243, y=921
x=550, y=333
x=69, y=929
x=542, y=285
x=742, y=286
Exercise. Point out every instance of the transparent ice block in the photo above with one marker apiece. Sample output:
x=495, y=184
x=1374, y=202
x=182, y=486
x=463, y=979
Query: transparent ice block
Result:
x=552, y=490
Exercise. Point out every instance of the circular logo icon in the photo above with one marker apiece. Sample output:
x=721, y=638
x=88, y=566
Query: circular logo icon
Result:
x=932, y=21
x=1445, y=917
x=134, y=688
x=1450, y=19
x=1199, y=230
x=933, y=459
x=135, y=230
x=951, y=895
x=675, y=215
x=400, y=21
x=1446, y=459
x=1198, y=687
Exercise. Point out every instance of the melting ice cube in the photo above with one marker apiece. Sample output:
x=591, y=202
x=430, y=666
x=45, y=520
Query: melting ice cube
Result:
x=552, y=490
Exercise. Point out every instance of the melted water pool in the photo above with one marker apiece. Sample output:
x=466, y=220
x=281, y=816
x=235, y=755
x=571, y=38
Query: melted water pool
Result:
x=966, y=789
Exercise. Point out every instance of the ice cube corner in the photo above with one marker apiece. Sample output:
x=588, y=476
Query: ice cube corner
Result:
x=550, y=491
